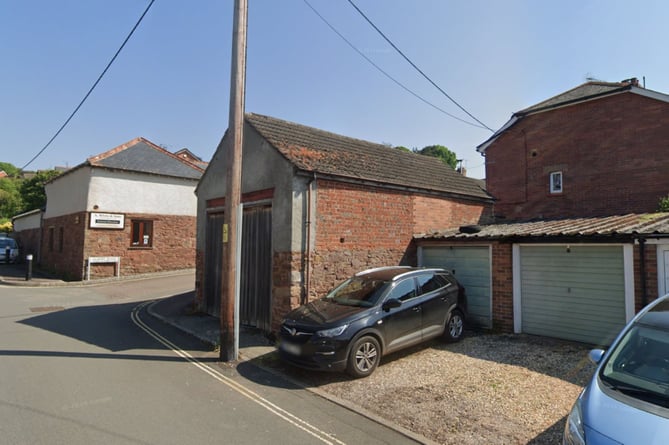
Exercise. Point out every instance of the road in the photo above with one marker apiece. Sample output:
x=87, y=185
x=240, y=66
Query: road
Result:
x=85, y=365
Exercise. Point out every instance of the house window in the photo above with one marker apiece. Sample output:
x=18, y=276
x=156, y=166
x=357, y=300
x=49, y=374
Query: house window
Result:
x=61, y=235
x=556, y=182
x=142, y=233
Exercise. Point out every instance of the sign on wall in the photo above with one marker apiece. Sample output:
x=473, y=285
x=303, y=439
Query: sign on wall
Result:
x=107, y=220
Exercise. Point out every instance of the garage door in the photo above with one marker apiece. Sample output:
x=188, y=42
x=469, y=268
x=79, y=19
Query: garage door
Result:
x=471, y=266
x=573, y=292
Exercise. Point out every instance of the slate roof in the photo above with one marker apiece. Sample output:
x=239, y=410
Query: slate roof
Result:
x=313, y=150
x=586, y=91
x=631, y=225
x=143, y=156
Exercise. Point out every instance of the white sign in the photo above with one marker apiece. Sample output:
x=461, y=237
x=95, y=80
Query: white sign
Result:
x=107, y=221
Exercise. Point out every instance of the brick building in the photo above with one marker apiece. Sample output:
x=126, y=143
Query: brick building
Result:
x=576, y=248
x=318, y=207
x=130, y=210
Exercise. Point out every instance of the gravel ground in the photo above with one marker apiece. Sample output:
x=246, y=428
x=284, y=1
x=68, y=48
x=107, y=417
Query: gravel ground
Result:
x=486, y=389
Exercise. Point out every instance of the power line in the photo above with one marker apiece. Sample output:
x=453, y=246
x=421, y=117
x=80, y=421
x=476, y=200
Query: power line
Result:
x=384, y=72
x=62, y=127
x=415, y=67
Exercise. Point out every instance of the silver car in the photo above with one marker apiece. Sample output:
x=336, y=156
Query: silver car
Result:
x=9, y=250
x=627, y=400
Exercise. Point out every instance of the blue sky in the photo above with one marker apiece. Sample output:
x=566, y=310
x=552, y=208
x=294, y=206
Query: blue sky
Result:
x=171, y=82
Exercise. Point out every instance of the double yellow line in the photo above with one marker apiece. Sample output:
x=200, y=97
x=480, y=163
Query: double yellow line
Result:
x=246, y=392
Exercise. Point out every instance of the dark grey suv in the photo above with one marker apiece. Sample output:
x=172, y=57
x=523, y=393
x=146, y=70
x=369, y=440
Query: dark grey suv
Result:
x=371, y=314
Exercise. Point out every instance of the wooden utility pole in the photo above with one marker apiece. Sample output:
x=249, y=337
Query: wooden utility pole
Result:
x=229, y=330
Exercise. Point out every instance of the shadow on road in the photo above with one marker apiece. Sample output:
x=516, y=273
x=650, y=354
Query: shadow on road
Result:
x=109, y=327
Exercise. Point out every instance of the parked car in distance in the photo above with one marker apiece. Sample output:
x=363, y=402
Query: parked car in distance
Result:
x=373, y=313
x=9, y=250
x=627, y=399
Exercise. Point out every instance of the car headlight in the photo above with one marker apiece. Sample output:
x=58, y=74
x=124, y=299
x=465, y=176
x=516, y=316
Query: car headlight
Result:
x=574, y=434
x=334, y=332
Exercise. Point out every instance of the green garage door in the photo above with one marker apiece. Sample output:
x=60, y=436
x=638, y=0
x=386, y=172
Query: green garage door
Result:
x=471, y=267
x=573, y=292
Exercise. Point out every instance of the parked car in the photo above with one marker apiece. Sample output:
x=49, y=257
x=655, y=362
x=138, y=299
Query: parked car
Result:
x=627, y=399
x=9, y=250
x=373, y=313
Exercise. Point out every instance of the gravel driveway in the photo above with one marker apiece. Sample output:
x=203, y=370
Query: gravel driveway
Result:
x=486, y=389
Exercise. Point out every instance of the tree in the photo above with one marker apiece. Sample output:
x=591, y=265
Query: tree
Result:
x=401, y=147
x=441, y=152
x=10, y=169
x=32, y=190
x=10, y=199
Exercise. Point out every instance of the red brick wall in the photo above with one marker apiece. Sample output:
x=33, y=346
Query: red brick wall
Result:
x=357, y=228
x=610, y=152
x=173, y=246
x=29, y=243
x=433, y=214
x=66, y=262
x=650, y=256
x=502, y=287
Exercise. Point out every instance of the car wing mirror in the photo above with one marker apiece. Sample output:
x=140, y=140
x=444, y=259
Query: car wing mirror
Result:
x=392, y=303
x=596, y=355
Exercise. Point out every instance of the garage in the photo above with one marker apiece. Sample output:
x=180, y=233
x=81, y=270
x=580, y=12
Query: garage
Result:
x=471, y=266
x=573, y=292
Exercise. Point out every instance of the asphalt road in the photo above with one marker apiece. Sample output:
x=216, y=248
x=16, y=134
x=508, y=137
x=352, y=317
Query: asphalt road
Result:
x=89, y=365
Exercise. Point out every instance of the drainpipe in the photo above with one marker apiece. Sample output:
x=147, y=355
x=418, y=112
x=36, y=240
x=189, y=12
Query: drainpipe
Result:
x=642, y=271
x=307, y=261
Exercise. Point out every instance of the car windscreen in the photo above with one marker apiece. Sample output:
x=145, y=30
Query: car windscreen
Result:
x=358, y=291
x=7, y=242
x=639, y=365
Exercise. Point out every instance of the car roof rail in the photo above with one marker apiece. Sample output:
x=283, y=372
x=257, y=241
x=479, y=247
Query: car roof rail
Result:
x=378, y=269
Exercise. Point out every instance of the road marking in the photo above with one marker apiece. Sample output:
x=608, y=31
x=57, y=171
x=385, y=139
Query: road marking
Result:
x=246, y=392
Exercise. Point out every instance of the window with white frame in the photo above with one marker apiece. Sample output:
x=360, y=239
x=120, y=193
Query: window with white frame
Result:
x=556, y=182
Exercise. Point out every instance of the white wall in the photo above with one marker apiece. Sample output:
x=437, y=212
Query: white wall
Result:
x=114, y=191
x=27, y=221
x=68, y=193
x=126, y=192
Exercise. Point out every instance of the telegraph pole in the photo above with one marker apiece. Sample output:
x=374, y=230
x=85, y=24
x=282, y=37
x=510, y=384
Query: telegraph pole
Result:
x=229, y=331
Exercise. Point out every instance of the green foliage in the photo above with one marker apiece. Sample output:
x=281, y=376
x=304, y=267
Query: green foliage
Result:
x=5, y=226
x=441, y=152
x=10, y=169
x=11, y=202
x=663, y=206
x=400, y=147
x=32, y=190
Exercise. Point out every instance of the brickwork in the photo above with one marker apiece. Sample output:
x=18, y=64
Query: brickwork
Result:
x=62, y=245
x=29, y=243
x=607, y=150
x=286, y=285
x=433, y=214
x=502, y=287
x=650, y=257
x=173, y=246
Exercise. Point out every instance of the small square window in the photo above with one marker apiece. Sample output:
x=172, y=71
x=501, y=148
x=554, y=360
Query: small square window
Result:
x=556, y=182
x=142, y=233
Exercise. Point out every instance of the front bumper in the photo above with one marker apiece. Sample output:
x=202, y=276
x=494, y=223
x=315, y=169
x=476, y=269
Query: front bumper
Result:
x=315, y=353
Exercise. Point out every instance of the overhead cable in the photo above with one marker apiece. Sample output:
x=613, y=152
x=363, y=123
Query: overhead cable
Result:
x=384, y=72
x=416, y=67
x=62, y=127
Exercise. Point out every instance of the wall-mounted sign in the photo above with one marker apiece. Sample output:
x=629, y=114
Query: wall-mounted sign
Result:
x=107, y=220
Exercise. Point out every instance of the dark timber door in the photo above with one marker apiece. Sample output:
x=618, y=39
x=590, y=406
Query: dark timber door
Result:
x=213, y=263
x=256, y=268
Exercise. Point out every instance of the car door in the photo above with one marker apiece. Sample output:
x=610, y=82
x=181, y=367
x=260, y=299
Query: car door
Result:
x=437, y=295
x=402, y=325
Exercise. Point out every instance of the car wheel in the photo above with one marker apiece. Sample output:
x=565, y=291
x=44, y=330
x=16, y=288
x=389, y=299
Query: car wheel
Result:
x=455, y=326
x=364, y=357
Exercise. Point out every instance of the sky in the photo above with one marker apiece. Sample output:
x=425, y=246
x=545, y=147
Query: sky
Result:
x=171, y=82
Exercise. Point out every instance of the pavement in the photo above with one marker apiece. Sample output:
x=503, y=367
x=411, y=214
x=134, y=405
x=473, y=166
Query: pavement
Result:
x=175, y=310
